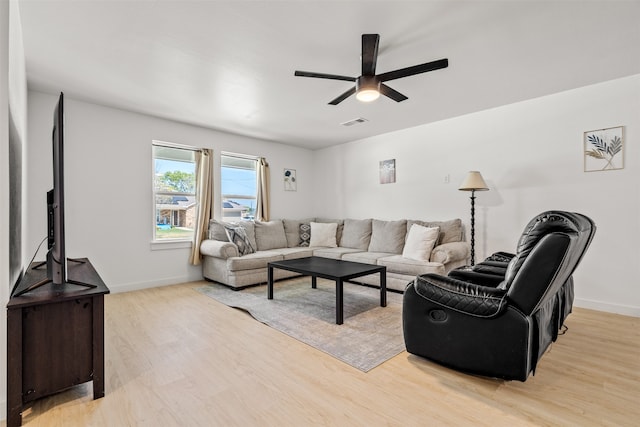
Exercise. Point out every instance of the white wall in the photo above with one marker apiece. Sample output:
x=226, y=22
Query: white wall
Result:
x=5, y=282
x=108, y=177
x=13, y=104
x=531, y=155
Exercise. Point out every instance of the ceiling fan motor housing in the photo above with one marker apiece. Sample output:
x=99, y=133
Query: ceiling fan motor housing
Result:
x=367, y=83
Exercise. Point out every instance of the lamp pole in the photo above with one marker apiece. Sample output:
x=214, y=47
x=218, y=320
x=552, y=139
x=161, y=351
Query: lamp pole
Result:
x=473, y=182
x=473, y=227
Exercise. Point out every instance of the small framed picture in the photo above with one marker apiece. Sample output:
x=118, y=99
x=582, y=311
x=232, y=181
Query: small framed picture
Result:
x=290, y=183
x=604, y=149
x=388, y=171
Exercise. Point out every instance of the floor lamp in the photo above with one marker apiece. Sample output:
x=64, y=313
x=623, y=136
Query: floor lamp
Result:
x=473, y=182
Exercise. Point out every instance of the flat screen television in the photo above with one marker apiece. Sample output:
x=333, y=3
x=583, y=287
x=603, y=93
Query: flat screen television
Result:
x=56, y=257
x=56, y=262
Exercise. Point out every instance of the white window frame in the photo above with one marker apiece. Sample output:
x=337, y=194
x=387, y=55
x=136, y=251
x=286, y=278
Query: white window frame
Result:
x=167, y=243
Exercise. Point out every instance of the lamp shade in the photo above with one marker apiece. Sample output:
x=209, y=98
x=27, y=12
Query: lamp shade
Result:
x=473, y=182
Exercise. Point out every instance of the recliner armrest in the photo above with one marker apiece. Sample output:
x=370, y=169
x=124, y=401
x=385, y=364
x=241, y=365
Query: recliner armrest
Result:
x=504, y=257
x=481, y=278
x=464, y=297
x=494, y=267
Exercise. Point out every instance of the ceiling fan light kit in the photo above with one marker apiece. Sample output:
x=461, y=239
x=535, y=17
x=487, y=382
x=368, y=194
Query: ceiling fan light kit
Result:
x=367, y=89
x=369, y=85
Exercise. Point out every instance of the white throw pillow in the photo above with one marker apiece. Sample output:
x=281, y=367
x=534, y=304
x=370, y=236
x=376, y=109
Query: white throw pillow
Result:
x=323, y=234
x=420, y=242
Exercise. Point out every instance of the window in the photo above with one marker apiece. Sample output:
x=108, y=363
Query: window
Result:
x=239, y=187
x=174, y=192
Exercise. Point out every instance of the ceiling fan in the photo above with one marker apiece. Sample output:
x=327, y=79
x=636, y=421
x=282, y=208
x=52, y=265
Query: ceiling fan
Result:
x=369, y=86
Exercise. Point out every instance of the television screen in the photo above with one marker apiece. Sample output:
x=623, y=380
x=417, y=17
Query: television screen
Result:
x=56, y=257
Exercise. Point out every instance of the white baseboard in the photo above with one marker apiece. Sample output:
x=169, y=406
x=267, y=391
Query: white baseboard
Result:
x=626, y=310
x=128, y=287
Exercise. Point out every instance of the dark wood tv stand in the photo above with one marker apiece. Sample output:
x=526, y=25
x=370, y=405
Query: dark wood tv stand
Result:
x=55, y=337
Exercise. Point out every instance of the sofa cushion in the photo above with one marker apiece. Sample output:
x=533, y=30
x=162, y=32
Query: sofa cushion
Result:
x=292, y=230
x=365, y=257
x=420, y=242
x=217, y=231
x=388, y=236
x=258, y=259
x=356, y=234
x=323, y=234
x=250, y=229
x=340, y=223
x=270, y=235
x=305, y=234
x=294, y=253
x=450, y=231
x=238, y=236
x=402, y=265
x=334, y=253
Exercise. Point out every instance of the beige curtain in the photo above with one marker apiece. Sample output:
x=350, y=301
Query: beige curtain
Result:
x=262, y=208
x=204, y=197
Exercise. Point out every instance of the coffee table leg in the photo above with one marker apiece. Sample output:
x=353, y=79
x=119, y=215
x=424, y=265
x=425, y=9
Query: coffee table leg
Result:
x=313, y=282
x=339, y=307
x=383, y=289
x=269, y=282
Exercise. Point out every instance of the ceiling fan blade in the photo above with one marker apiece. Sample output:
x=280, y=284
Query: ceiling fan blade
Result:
x=344, y=96
x=416, y=69
x=369, y=53
x=324, y=76
x=392, y=93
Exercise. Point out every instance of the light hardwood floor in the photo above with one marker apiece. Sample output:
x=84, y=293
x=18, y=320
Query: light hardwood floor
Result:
x=175, y=357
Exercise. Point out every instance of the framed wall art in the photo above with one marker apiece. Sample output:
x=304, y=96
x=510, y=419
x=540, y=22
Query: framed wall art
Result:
x=290, y=183
x=388, y=171
x=604, y=149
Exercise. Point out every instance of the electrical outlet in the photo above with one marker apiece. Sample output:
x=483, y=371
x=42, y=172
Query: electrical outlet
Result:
x=446, y=179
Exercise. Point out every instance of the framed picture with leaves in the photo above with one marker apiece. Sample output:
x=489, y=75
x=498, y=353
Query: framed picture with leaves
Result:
x=290, y=183
x=604, y=149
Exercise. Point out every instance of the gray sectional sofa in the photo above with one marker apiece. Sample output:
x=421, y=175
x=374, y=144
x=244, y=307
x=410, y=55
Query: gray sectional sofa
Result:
x=236, y=254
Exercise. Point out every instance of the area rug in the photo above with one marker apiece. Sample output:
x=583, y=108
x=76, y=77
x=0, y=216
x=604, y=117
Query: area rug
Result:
x=369, y=336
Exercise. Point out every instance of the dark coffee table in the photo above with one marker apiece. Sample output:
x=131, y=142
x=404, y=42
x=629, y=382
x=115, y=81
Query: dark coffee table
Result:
x=332, y=269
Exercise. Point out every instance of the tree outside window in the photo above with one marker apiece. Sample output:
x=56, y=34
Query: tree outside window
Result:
x=174, y=192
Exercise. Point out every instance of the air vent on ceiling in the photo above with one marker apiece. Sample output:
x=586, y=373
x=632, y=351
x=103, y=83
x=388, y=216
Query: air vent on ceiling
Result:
x=354, y=121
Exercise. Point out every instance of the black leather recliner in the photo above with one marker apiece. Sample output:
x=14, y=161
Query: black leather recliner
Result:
x=500, y=328
x=489, y=272
x=492, y=270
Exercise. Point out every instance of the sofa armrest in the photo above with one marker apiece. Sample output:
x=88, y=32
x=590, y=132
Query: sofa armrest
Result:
x=218, y=249
x=450, y=252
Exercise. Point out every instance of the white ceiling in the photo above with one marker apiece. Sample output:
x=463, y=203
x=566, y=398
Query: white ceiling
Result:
x=229, y=65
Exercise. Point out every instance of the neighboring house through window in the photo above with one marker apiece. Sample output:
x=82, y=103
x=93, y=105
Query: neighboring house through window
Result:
x=238, y=186
x=174, y=191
